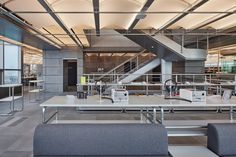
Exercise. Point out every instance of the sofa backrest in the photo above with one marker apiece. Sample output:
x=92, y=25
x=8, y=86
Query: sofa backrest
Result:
x=222, y=139
x=100, y=140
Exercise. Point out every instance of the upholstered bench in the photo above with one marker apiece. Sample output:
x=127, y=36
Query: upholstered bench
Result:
x=222, y=139
x=104, y=140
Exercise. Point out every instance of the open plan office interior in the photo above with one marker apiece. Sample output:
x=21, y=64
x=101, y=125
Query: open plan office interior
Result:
x=117, y=78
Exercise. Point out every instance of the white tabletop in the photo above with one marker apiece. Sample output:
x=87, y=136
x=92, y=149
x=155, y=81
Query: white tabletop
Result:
x=10, y=85
x=135, y=102
x=36, y=81
x=193, y=151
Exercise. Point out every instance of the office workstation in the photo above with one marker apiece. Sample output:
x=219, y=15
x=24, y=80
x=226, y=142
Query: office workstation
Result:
x=104, y=78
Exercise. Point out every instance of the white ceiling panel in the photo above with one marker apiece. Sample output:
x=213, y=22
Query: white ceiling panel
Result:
x=121, y=5
x=119, y=20
x=71, y=5
x=158, y=20
x=194, y=20
x=73, y=20
x=109, y=21
x=82, y=20
x=225, y=22
x=58, y=31
x=51, y=37
x=38, y=20
x=25, y=5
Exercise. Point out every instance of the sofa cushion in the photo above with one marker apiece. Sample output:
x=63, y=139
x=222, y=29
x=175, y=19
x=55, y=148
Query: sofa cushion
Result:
x=100, y=140
x=222, y=139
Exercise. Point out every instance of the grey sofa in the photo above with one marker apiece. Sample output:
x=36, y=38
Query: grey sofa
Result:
x=104, y=140
x=222, y=139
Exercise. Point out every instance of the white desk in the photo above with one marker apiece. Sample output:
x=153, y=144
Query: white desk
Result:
x=91, y=102
x=140, y=102
x=190, y=151
x=36, y=88
x=12, y=98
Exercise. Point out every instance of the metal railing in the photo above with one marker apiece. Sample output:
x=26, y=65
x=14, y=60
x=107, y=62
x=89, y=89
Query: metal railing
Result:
x=154, y=83
x=123, y=69
x=157, y=78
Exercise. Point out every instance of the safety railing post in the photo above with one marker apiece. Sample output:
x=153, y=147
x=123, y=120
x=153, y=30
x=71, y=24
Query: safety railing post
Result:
x=137, y=62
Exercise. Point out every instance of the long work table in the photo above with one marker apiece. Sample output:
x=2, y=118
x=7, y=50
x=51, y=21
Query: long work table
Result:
x=141, y=102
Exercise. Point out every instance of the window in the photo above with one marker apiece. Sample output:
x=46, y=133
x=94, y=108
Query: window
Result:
x=12, y=77
x=11, y=56
x=10, y=63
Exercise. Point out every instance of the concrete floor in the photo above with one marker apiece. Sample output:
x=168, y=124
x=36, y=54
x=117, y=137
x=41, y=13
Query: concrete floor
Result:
x=16, y=132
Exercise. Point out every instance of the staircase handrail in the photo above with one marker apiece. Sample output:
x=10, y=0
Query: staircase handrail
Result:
x=120, y=65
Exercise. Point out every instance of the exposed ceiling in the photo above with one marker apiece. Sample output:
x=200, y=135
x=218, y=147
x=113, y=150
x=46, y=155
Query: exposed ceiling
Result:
x=226, y=50
x=77, y=15
x=32, y=56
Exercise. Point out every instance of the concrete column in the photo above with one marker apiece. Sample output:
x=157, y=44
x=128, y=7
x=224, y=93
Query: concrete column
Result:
x=53, y=67
x=166, y=70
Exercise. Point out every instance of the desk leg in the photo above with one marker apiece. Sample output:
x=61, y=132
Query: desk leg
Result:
x=11, y=111
x=22, y=99
x=141, y=114
x=162, y=115
x=56, y=114
x=13, y=99
x=231, y=113
x=147, y=114
x=100, y=94
x=147, y=90
x=43, y=114
x=154, y=115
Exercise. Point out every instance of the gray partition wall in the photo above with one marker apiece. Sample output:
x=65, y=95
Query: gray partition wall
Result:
x=53, y=67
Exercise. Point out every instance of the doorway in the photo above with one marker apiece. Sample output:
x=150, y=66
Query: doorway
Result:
x=69, y=75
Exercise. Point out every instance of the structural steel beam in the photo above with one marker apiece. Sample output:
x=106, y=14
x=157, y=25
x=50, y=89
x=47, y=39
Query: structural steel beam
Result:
x=96, y=16
x=76, y=37
x=58, y=20
x=53, y=35
x=215, y=20
x=183, y=15
x=141, y=13
x=219, y=40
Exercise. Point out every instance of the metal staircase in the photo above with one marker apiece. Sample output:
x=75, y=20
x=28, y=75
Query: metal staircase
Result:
x=164, y=47
x=138, y=64
x=134, y=74
x=140, y=67
x=129, y=70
